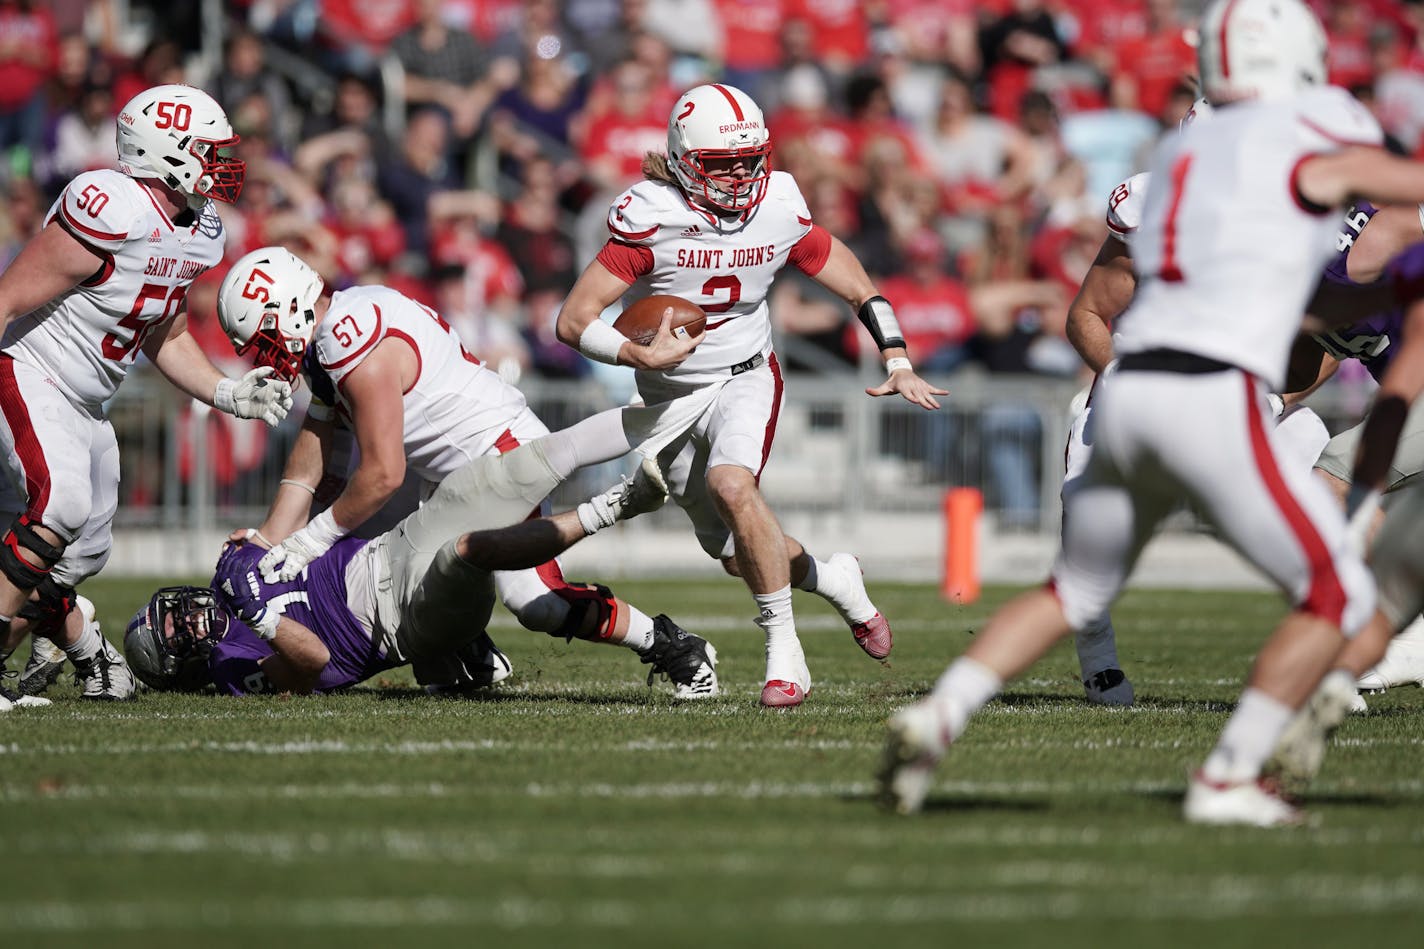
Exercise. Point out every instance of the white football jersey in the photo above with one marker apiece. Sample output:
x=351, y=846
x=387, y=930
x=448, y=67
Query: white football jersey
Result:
x=87, y=339
x=1125, y=206
x=1229, y=251
x=455, y=411
x=724, y=265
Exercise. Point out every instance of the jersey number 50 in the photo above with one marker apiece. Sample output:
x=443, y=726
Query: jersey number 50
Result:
x=118, y=348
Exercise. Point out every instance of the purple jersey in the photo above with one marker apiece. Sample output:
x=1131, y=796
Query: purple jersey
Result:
x=1375, y=339
x=317, y=600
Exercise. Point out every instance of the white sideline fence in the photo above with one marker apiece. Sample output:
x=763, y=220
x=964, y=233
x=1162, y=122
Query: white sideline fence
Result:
x=848, y=472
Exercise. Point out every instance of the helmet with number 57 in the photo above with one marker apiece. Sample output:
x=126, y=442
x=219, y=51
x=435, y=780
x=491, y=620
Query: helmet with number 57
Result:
x=1259, y=49
x=266, y=305
x=179, y=135
x=719, y=147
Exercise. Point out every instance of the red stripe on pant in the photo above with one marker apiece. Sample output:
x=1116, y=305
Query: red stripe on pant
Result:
x=778, y=387
x=549, y=572
x=27, y=443
x=1326, y=596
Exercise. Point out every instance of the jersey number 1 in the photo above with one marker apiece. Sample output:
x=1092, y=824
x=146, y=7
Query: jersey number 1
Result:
x=1170, y=270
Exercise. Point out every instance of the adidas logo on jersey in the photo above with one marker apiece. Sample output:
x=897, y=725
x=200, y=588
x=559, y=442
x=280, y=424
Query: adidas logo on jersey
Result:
x=155, y=237
x=693, y=231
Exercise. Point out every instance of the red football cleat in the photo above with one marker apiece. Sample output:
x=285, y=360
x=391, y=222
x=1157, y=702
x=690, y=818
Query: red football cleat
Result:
x=779, y=693
x=873, y=636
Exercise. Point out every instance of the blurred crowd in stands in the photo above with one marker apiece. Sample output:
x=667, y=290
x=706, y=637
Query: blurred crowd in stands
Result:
x=464, y=151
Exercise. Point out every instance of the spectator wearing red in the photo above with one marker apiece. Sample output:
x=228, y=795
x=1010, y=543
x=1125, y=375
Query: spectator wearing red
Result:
x=29, y=55
x=979, y=160
x=839, y=31
x=1012, y=47
x=873, y=120
x=751, y=43
x=934, y=310
x=1104, y=27
x=530, y=231
x=160, y=63
x=366, y=230
x=1150, y=68
x=358, y=32
x=1348, y=58
x=615, y=141
x=940, y=30
x=810, y=140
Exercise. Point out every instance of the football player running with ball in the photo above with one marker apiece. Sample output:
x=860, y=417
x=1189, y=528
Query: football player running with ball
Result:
x=712, y=223
x=394, y=372
x=103, y=281
x=1236, y=228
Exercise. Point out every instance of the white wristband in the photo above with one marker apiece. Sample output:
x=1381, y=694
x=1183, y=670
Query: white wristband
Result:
x=601, y=342
x=299, y=484
x=895, y=364
x=223, y=396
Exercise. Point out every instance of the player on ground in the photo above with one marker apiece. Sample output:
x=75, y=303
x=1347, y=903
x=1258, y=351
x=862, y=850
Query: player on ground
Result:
x=104, y=280
x=420, y=592
x=1233, y=231
x=393, y=372
x=712, y=223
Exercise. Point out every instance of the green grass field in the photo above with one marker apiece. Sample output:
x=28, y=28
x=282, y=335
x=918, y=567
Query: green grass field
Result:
x=579, y=808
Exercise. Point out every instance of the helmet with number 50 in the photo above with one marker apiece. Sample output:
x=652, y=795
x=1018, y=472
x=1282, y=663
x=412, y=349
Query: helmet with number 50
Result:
x=266, y=305
x=719, y=147
x=1259, y=49
x=178, y=134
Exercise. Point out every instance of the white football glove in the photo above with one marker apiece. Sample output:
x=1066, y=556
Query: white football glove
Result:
x=254, y=396
x=283, y=563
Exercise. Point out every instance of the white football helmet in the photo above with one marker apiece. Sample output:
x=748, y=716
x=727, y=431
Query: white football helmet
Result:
x=176, y=133
x=266, y=303
x=1200, y=109
x=1262, y=49
x=718, y=124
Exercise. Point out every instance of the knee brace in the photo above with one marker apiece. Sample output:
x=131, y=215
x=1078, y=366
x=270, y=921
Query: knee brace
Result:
x=593, y=612
x=49, y=607
x=20, y=571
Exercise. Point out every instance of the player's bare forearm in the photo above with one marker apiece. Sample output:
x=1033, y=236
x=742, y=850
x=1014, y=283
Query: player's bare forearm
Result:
x=844, y=275
x=595, y=290
x=1333, y=179
x=375, y=394
x=177, y=355
x=52, y=263
x=299, y=658
x=1310, y=367
x=305, y=466
x=1401, y=385
x=523, y=545
x=1106, y=291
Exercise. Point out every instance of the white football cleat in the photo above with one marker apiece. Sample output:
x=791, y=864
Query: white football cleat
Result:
x=916, y=739
x=1253, y=803
x=1301, y=749
x=872, y=632
x=1403, y=664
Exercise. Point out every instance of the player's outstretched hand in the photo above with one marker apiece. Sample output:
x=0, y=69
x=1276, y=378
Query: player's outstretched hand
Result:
x=911, y=386
x=241, y=592
x=666, y=350
x=255, y=396
x=285, y=562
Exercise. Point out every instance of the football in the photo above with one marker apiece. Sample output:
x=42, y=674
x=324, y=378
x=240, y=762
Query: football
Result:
x=640, y=321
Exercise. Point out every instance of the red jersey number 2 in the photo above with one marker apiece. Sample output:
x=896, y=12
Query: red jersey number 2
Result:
x=1170, y=270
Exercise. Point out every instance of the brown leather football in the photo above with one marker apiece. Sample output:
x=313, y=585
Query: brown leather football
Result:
x=640, y=321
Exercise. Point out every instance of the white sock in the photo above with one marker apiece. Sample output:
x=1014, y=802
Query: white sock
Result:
x=784, y=659
x=595, y=439
x=87, y=646
x=966, y=687
x=1248, y=739
x=839, y=583
x=640, y=630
